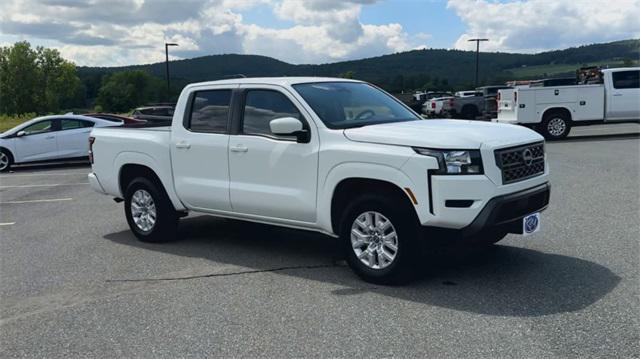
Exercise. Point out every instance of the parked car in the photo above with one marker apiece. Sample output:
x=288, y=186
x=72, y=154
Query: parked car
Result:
x=48, y=138
x=127, y=121
x=154, y=113
x=437, y=107
x=553, y=110
x=490, y=95
x=467, y=93
x=336, y=156
x=419, y=99
x=468, y=106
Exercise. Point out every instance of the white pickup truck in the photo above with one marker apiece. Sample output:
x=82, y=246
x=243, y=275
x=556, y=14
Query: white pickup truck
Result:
x=336, y=156
x=554, y=110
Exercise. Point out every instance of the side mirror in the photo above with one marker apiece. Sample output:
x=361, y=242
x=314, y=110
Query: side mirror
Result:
x=20, y=133
x=289, y=126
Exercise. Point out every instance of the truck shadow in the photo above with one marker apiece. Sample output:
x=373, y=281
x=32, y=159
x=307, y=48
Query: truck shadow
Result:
x=501, y=281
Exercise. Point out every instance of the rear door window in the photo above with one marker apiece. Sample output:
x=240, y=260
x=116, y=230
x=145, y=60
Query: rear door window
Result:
x=210, y=111
x=626, y=79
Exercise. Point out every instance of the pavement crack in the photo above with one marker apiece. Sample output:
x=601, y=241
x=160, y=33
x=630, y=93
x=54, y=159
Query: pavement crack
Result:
x=228, y=274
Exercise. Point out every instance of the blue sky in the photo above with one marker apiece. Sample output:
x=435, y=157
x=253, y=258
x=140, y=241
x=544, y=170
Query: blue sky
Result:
x=123, y=32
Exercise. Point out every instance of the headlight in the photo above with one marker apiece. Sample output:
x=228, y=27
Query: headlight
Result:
x=455, y=162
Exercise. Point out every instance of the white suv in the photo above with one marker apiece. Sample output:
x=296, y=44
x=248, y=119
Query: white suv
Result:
x=336, y=156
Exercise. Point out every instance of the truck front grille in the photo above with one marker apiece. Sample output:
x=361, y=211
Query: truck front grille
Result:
x=521, y=162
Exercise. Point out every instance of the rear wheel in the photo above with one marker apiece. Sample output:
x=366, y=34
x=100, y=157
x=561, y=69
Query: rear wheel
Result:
x=149, y=211
x=555, y=125
x=6, y=160
x=380, y=237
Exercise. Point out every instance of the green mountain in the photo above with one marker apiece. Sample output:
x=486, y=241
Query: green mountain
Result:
x=430, y=68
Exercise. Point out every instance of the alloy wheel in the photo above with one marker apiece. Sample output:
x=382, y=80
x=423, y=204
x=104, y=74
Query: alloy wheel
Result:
x=4, y=161
x=556, y=126
x=143, y=210
x=374, y=240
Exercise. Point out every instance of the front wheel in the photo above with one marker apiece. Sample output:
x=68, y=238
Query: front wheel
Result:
x=380, y=240
x=149, y=211
x=5, y=161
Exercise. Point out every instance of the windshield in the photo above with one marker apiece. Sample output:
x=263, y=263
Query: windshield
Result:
x=352, y=104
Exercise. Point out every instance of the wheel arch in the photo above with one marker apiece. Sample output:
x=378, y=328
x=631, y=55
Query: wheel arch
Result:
x=8, y=152
x=132, y=163
x=557, y=109
x=352, y=187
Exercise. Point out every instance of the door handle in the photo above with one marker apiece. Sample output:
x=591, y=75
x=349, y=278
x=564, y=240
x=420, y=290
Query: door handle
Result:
x=49, y=137
x=239, y=148
x=183, y=145
x=617, y=94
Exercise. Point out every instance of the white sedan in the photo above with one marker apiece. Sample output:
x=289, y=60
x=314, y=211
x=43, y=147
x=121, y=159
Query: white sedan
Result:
x=48, y=138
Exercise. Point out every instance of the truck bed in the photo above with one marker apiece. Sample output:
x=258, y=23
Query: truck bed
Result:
x=145, y=146
x=585, y=102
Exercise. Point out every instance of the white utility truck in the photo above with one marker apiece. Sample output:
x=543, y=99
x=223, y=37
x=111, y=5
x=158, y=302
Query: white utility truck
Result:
x=553, y=110
x=336, y=156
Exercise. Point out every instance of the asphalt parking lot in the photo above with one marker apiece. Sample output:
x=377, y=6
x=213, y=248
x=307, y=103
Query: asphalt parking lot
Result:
x=75, y=282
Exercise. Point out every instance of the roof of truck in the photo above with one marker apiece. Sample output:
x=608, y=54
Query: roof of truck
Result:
x=621, y=69
x=287, y=81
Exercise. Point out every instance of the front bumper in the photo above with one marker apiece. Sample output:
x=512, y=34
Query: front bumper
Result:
x=507, y=211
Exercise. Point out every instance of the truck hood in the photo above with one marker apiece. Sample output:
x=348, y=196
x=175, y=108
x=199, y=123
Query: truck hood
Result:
x=445, y=134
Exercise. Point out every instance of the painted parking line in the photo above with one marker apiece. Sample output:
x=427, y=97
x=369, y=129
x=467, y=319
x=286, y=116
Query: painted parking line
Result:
x=7, y=224
x=38, y=201
x=45, y=185
x=44, y=174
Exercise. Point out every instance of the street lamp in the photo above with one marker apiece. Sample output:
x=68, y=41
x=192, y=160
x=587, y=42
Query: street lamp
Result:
x=477, y=55
x=166, y=53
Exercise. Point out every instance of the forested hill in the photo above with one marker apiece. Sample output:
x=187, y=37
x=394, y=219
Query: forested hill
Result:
x=432, y=68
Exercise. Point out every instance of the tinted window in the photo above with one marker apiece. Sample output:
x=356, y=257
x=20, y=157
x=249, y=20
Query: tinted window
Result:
x=626, y=79
x=39, y=127
x=210, y=111
x=352, y=104
x=262, y=106
x=74, y=124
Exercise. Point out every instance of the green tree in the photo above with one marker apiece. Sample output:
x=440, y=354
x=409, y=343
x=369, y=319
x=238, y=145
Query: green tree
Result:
x=36, y=80
x=122, y=91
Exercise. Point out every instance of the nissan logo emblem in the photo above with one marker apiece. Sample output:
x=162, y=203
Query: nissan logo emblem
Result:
x=527, y=157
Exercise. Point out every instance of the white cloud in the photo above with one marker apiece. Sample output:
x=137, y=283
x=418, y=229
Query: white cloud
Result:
x=538, y=25
x=118, y=32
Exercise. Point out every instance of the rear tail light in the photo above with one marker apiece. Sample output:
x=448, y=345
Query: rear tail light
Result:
x=498, y=97
x=433, y=104
x=91, y=141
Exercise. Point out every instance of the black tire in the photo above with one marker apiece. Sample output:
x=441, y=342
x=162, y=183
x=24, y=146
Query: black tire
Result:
x=403, y=220
x=6, y=159
x=555, y=125
x=166, y=221
x=489, y=237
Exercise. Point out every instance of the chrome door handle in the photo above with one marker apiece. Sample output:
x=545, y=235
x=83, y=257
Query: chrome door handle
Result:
x=239, y=148
x=183, y=145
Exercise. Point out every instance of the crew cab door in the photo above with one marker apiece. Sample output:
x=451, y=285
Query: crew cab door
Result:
x=270, y=175
x=623, y=96
x=199, y=149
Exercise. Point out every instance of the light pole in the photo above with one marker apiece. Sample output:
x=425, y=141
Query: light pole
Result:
x=477, y=55
x=166, y=54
